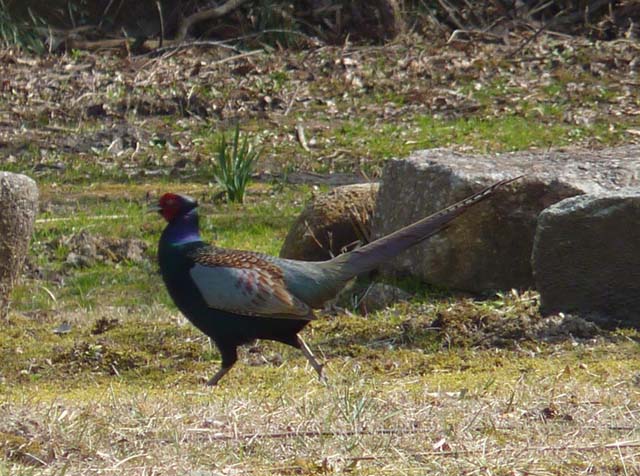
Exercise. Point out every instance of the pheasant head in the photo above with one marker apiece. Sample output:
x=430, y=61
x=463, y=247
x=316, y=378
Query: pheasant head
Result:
x=180, y=213
x=172, y=206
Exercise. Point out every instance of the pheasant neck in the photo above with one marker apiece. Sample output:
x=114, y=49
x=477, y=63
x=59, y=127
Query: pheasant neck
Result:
x=183, y=229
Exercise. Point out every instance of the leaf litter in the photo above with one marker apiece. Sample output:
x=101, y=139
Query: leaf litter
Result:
x=111, y=108
x=506, y=391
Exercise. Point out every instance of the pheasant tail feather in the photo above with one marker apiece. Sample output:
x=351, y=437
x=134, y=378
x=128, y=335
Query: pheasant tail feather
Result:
x=375, y=253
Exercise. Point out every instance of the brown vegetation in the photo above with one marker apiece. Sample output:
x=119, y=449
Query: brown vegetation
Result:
x=151, y=24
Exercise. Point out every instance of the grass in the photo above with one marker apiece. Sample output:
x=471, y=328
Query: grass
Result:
x=506, y=133
x=439, y=385
x=123, y=391
x=387, y=409
x=234, y=163
x=17, y=32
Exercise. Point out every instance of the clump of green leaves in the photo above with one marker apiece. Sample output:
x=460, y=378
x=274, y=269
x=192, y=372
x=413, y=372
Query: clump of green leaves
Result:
x=14, y=31
x=233, y=164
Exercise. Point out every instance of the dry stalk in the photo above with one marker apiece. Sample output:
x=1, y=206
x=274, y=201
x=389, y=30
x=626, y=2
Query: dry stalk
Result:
x=306, y=434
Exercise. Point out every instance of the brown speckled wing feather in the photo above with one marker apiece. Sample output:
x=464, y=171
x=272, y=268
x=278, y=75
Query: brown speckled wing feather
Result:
x=244, y=283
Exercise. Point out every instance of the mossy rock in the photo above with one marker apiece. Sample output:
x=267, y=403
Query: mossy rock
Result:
x=331, y=223
x=19, y=198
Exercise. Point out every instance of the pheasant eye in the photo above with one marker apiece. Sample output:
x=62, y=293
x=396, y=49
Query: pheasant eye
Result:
x=168, y=201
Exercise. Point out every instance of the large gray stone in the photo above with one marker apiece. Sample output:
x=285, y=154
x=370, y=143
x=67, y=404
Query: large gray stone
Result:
x=489, y=247
x=19, y=199
x=586, y=257
x=330, y=222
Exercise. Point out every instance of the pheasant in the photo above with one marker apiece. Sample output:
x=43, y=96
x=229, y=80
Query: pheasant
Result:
x=236, y=297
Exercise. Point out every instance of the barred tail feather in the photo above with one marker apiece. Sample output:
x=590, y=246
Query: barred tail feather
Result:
x=373, y=254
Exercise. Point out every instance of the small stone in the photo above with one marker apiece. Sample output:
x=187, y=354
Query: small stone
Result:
x=75, y=260
x=63, y=328
x=380, y=295
x=368, y=297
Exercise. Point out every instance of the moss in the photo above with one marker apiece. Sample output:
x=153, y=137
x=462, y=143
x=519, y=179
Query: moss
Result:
x=127, y=379
x=20, y=449
x=95, y=357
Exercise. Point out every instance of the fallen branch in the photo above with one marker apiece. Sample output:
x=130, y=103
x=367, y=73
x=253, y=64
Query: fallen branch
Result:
x=186, y=23
x=307, y=434
x=593, y=7
x=451, y=11
x=174, y=46
x=301, y=137
x=65, y=219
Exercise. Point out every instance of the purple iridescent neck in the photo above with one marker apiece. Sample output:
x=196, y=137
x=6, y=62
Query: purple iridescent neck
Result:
x=182, y=229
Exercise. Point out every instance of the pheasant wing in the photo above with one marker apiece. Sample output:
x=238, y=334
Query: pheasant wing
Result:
x=244, y=283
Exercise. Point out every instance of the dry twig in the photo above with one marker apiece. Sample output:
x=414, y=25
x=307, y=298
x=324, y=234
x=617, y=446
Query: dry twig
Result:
x=208, y=14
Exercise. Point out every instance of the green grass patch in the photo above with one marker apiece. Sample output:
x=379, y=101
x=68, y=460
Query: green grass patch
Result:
x=100, y=373
x=81, y=218
x=505, y=133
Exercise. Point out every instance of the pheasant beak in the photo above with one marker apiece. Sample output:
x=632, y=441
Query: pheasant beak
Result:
x=153, y=208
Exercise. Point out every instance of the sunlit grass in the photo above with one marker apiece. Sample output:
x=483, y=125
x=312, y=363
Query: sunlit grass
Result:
x=137, y=390
x=123, y=386
x=417, y=388
x=477, y=135
x=114, y=212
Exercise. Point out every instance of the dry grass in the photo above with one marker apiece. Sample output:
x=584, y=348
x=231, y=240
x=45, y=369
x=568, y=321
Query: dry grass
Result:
x=390, y=408
x=404, y=398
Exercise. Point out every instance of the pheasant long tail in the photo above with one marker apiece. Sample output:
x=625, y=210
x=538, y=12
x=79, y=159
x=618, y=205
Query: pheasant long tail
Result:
x=373, y=254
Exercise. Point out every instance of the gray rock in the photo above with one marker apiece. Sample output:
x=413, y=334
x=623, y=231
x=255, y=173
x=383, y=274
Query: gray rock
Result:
x=365, y=296
x=586, y=257
x=63, y=328
x=380, y=295
x=557, y=327
x=19, y=199
x=331, y=222
x=488, y=248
